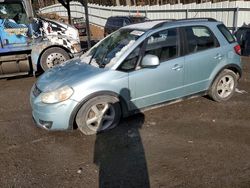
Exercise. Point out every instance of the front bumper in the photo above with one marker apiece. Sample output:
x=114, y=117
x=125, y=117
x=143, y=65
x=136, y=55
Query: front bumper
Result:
x=52, y=116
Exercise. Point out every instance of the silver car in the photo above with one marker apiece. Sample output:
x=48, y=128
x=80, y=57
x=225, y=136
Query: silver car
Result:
x=137, y=67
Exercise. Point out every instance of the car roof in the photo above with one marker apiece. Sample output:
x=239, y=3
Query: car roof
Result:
x=144, y=25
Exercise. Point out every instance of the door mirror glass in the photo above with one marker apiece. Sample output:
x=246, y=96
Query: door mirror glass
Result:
x=150, y=61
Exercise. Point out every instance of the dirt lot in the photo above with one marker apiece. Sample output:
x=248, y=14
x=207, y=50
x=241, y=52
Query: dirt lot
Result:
x=195, y=143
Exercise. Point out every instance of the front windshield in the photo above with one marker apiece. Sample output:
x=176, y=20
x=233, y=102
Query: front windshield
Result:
x=109, y=50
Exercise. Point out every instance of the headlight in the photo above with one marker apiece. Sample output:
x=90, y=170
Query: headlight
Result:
x=58, y=95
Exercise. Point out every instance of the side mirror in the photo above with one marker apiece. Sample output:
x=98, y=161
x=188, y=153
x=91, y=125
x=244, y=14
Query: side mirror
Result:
x=150, y=61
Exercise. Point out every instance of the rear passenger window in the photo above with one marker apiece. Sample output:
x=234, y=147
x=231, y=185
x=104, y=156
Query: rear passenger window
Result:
x=199, y=38
x=226, y=33
x=163, y=44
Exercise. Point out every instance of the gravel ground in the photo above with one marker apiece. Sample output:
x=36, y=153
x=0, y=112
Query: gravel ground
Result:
x=194, y=143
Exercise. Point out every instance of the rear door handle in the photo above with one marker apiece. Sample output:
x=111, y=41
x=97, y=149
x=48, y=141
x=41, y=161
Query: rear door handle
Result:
x=177, y=67
x=218, y=56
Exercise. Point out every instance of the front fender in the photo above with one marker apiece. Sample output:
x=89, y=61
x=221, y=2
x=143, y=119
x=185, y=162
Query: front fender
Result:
x=36, y=52
x=123, y=102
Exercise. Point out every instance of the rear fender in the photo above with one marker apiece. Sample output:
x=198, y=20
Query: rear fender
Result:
x=233, y=67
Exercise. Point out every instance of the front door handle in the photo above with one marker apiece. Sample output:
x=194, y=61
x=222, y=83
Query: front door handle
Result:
x=177, y=67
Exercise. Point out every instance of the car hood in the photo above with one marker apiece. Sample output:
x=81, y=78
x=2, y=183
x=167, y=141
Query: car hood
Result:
x=55, y=28
x=68, y=73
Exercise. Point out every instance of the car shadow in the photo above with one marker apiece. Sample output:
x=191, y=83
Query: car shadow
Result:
x=120, y=155
x=16, y=77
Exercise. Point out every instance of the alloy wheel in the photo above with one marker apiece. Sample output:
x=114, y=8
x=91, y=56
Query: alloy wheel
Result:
x=225, y=86
x=100, y=116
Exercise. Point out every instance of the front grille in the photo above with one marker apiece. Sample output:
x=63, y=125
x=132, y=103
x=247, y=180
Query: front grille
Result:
x=36, y=91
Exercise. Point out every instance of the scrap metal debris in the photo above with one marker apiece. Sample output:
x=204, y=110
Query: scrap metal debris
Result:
x=240, y=91
x=79, y=171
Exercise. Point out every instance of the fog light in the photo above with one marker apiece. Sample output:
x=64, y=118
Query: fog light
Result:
x=45, y=124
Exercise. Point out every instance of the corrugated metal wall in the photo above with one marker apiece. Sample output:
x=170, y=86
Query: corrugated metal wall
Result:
x=232, y=13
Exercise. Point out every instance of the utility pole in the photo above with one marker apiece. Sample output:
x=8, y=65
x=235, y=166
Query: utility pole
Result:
x=85, y=4
x=128, y=2
x=66, y=4
x=118, y=3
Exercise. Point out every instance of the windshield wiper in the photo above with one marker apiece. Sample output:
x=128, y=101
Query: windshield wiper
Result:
x=90, y=61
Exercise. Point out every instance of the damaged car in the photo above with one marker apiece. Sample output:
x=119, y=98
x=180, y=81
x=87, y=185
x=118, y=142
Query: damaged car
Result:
x=136, y=68
x=31, y=44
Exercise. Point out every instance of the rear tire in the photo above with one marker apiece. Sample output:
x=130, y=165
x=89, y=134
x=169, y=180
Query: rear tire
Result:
x=98, y=114
x=53, y=56
x=223, y=86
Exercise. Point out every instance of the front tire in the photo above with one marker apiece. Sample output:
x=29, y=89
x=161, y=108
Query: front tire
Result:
x=53, y=56
x=223, y=86
x=98, y=114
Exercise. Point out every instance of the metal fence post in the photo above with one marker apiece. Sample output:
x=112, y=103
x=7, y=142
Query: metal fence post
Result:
x=186, y=13
x=235, y=20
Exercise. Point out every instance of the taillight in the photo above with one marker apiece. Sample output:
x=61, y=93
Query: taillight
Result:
x=237, y=49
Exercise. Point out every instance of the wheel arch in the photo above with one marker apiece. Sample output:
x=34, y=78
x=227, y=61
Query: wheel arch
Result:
x=122, y=101
x=49, y=47
x=37, y=53
x=235, y=68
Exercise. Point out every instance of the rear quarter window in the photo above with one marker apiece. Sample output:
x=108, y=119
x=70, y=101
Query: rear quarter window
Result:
x=226, y=33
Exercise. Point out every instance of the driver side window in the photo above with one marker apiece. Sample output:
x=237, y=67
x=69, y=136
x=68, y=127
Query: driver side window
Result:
x=163, y=44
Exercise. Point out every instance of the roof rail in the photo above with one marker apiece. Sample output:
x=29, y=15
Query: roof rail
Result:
x=198, y=19
x=164, y=21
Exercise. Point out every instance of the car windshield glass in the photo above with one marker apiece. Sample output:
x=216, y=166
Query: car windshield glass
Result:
x=138, y=19
x=108, y=51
